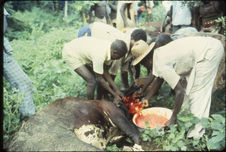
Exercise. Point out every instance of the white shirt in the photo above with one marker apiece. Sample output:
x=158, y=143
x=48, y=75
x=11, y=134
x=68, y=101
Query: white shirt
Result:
x=181, y=14
x=179, y=57
x=166, y=5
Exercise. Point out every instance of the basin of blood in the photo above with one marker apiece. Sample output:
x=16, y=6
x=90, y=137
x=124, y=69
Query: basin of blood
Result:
x=152, y=119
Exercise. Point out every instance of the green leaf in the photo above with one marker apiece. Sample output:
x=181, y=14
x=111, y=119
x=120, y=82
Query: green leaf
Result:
x=217, y=126
x=171, y=136
x=218, y=138
x=195, y=142
x=183, y=148
x=180, y=143
x=172, y=128
x=188, y=124
x=218, y=118
x=168, y=148
x=215, y=133
x=214, y=142
x=205, y=122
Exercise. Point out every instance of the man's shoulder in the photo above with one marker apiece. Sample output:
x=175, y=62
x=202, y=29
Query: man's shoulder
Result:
x=102, y=26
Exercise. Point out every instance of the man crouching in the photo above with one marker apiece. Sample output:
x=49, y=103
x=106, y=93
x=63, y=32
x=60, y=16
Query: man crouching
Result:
x=91, y=58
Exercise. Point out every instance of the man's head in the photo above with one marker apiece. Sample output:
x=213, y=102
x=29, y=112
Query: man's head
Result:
x=137, y=35
x=118, y=49
x=162, y=39
x=146, y=58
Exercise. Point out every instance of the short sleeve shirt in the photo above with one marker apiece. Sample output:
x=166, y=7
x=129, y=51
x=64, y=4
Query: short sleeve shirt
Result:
x=87, y=50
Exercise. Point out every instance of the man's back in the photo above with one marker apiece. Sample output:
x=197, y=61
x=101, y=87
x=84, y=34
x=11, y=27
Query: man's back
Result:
x=107, y=32
x=87, y=50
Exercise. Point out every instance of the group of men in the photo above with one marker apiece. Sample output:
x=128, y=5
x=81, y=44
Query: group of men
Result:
x=187, y=62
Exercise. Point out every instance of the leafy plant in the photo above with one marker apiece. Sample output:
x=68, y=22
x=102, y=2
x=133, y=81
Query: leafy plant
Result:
x=221, y=20
x=174, y=139
x=11, y=120
x=215, y=132
x=113, y=148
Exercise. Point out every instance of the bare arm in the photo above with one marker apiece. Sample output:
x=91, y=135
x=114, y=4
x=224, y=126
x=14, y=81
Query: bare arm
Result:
x=148, y=82
x=179, y=97
x=109, y=79
x=156, y=85
x=104, y=84
x=137, y=74
x=107, y=15
x=125, y=82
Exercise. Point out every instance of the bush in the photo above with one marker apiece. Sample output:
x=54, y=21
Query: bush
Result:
x=10, y=111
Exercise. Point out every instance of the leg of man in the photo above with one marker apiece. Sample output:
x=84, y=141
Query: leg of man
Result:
x=201, y=91
x=86, y=73
x=84, y=30
x=19, y=80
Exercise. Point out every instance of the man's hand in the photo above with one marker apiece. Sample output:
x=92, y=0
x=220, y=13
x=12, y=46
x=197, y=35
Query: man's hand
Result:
x=117, y=99
x=145, y=102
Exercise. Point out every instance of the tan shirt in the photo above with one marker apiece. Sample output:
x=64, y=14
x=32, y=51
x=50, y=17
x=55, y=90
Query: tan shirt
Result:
x=108, y=32
x=179, y=58
x=87, y=50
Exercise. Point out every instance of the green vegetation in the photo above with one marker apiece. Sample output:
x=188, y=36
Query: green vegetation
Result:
x=37, y=35
x=175, y=138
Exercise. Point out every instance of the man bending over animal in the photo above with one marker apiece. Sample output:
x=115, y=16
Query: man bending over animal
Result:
x=107, y=32
x=90, y=58
x=189, y=65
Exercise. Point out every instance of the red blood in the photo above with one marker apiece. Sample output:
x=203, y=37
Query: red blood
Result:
x=132, y=103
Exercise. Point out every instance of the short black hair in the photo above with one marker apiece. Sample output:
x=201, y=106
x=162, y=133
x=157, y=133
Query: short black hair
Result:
x=162, y=39
x=119, y=46
x=139, y=34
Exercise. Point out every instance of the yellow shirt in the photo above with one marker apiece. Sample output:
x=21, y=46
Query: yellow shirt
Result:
x=87, y=50
x=108, y=32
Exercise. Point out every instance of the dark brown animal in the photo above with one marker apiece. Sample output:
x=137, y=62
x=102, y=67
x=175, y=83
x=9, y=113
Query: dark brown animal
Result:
x=52, y=129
